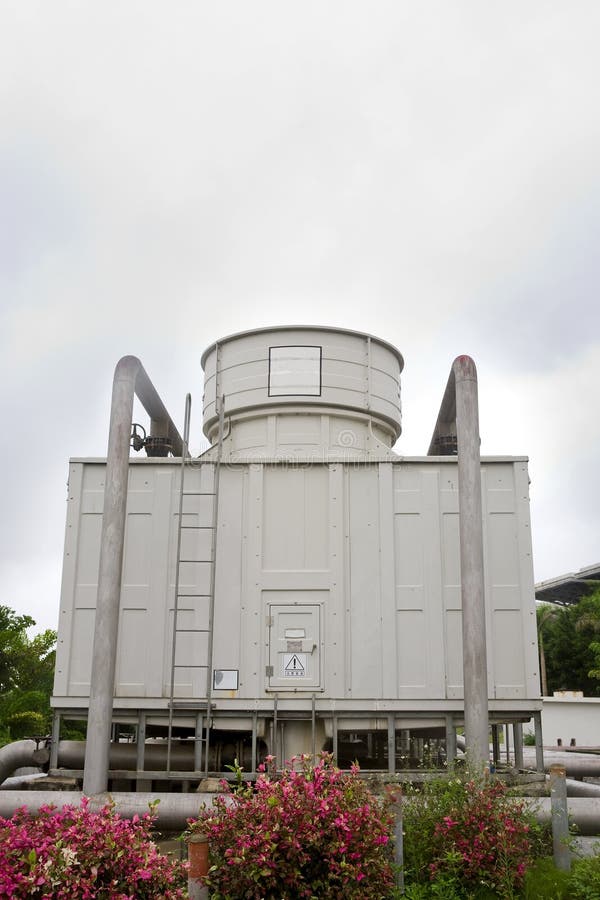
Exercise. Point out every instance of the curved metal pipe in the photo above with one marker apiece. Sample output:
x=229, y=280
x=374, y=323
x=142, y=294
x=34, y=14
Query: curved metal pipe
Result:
x=459, y=417
x=19, y=754
x=130, y=378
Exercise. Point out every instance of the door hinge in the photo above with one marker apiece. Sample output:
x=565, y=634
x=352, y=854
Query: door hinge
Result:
x=269, y=671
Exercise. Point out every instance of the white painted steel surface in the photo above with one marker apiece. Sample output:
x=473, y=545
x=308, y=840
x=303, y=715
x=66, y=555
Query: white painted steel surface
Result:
x=370, y=552
x=298, y=389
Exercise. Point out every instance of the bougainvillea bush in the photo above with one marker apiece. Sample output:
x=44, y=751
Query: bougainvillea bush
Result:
x=76, y=854
x=311, y=832
x=469, y=835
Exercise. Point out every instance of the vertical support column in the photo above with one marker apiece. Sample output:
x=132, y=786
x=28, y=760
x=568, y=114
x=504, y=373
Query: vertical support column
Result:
x=496, y=743
x=471, y=561
x=391, y=744
x=275, y=750
x=198, y=742
x=55, y=741
x=254, y=740
x=313, y=729
x=539, y=741
x=142, y=784
x=141, y=741
x=518, y=742
x=334, y=737
x=106, y=628
x=450, y=740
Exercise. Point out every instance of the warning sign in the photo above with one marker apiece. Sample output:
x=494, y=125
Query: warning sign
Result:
x=294, y=665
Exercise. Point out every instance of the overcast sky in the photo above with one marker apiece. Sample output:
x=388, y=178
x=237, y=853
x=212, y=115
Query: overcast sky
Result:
x=170, y=173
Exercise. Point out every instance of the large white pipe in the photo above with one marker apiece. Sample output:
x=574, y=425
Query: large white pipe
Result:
x=584, y=812
x=20, y=754
x=459, y=415
x=172, y=810
x=130, y=378
x=71, y=755
x=579, y=765
x=471, y=560
x=581, y=788
x=106, y=626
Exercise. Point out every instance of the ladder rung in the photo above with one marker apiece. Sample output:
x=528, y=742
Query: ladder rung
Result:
x=192, y=630
x=195, y=560
x=198, y=493
x=189, y=704
x=197, y=527
x=190, y=666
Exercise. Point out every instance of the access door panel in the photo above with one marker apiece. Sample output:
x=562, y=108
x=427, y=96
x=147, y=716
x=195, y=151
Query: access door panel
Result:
x=294, y=647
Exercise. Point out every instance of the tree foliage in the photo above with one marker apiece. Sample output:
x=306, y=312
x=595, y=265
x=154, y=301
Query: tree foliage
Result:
x=570, y=637
x=26, y=677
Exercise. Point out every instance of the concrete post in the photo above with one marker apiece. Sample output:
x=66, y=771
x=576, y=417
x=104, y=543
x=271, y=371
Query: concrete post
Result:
x=539, y=741
x=471, y=561
x=398, y=837
x=560, y=818
x=198, y=859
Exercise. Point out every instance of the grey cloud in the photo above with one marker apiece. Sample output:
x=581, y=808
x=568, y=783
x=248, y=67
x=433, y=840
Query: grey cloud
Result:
x=428, y=173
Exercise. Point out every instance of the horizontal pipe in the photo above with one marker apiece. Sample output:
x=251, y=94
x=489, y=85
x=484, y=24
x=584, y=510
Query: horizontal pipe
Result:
x=584, y=812
x=580, y=765
x=21, y=782
x=172, y=810
x=124, y=756
x=582, y=788
x=20, y=754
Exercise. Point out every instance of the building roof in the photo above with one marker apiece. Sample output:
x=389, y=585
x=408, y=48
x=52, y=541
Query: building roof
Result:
x=568, y=589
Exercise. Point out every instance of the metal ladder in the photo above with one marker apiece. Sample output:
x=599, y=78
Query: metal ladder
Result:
x=202, y=705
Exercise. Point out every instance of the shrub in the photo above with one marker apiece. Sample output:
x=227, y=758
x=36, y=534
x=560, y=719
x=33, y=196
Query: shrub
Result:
x=585, y=879
x=314, y=832
x=468, y=836
x=78, y=854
